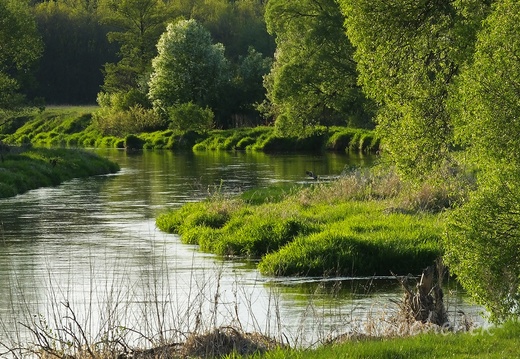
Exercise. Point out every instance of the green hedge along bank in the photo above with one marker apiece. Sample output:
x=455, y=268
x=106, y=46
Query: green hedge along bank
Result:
x=76, y=127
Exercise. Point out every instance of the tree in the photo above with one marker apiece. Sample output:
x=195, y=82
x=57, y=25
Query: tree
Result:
x=139, y=24
x=247, y=89
x=313, y=80
x=238, y=25
x=188, y=68
x=408, y=54
x=483, y=236
x=20, y=47
x=482, y=244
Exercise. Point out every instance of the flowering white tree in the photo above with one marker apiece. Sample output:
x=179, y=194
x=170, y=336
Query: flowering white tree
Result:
x=189, y=68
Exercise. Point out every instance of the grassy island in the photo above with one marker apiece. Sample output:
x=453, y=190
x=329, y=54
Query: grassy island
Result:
x=354, y=226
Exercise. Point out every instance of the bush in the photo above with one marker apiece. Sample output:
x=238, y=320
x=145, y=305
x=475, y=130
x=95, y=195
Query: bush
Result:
x=132, y=142
x=136, y=119
x=190, y=117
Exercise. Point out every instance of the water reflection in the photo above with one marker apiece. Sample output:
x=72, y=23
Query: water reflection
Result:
x=92, y=243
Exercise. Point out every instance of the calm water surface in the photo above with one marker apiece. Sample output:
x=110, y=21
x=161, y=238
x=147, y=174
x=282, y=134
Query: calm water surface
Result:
x=91, y=244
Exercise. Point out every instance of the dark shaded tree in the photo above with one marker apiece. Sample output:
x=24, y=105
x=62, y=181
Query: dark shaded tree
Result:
x=20, y=47
x=313, y=80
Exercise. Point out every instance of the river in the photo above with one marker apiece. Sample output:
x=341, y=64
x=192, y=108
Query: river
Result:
x=87, y=254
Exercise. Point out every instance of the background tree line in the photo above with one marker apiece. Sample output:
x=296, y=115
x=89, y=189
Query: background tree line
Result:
x=103, y=49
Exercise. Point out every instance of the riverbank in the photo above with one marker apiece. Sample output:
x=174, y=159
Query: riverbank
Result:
x=76, y=127
x=362, y=224
x=232, y=343
x=25, y=168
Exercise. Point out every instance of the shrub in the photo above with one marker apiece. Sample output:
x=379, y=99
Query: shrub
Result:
x=136, y=119
x=132, y=142
x=483, y=245
x=340, y=140
x=190, y=117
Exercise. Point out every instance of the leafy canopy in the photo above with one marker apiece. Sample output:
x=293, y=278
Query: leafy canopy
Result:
x=483, y=236
x=408, y=54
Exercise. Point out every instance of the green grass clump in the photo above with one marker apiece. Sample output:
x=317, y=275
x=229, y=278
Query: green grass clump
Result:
x=360, y=244
x=25, y=169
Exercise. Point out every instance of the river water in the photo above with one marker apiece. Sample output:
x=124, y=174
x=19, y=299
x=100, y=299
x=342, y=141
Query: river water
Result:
x=87, y=254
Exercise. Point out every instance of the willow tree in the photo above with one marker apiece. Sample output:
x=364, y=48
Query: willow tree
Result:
x=408, y=54
x=483, y=237
x=313, y=80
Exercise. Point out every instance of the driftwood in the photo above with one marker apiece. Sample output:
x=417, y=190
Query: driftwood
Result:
x=425, y=302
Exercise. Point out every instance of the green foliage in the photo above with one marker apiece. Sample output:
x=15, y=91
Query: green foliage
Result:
x=408, y=54
x=188, y=68
x=314, y=79
x=121, y=114
x=20, y=48
x=486, y=104
x=247, y=90
x=76, y=48
x=190, y=117
x=482, y=237
x=139, y=24
x=132, y=142
x=483, y=244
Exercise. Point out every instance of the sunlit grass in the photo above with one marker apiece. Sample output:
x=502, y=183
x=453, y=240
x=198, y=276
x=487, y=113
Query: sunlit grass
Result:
x=75, y=126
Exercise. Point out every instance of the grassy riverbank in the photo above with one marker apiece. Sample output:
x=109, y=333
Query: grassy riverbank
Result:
x=357, y=225
x=76, y=127
x=26, y=168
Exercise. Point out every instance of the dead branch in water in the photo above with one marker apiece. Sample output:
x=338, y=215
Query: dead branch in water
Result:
x=425, y=302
